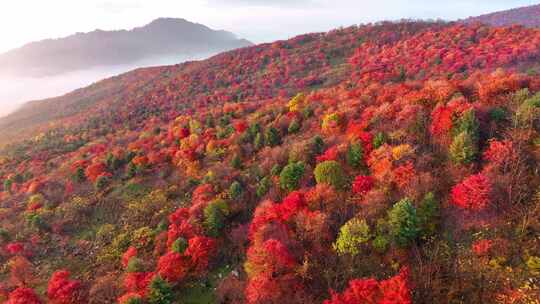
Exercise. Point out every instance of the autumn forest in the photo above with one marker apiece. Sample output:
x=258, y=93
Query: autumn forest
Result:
x=393, y=162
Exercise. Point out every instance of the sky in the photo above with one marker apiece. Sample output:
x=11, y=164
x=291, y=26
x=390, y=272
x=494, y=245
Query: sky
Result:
x=23, y=21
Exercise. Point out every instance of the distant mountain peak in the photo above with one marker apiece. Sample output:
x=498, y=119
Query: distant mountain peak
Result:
x=160, y=37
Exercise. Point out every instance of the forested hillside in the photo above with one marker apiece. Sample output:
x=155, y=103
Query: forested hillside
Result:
x=528, y=16
x=382, y=163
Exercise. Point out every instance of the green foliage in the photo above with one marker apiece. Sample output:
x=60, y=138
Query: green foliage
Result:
x=527, y=111
x=291, y=175
x=381, y=243
x=272, y=137
x=235, y=190
x=135, y=301
x=131, y=170
x=264, y=186
x=307, y=112
x=180, y=245
x=215, y=215
x=331, y=173
x=236, y=162
x=35, y=221
x=258, y=143
x=351, y=236
x=4, y=235
x=497, y=114
x=428, y=215
x=112, y=162
x=160, y=292
x=102, y=182
x=467, y=123
x=79, y=175
x=294, y=127
x=317, y=145
x=463, y=149
x=355, y=155
x=7, y=185
x=135, y=265
x=276, y=169
x=379, y=140
x=403, y=223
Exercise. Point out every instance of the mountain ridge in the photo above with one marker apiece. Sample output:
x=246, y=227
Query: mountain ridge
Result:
x=83, y=50
x=528, y=16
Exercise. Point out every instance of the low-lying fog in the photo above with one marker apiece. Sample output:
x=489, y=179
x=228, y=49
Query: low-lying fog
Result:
x=15, y=91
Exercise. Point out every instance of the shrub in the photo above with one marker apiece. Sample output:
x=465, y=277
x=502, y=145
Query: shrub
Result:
x=258, y=142
x=236, y=162
x=235, y=190
x=101, y=182
x=355, y=155
x=463, y=149
x=62, y=290
x=351, y=236
x=331, y=173
x=473, y=193
x=272, y=137
x=428, y=215
x=403, y=222
x=294, y=127
x=214, y=217
x=467, y=123
x=290, y=176
x=264, y=186
x=23, y=295
x=317, y=145
x=180, y=245
x=131, y=298
x=135, y=265
x=160, y=292
x=379, y=140
x=362, y=184
x=380, y=243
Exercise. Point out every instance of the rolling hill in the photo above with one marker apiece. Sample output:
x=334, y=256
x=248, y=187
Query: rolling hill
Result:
x=381, y=163
x=526, y=16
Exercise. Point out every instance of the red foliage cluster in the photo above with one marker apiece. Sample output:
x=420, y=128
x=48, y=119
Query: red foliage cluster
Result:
x=93, y=171
x=403, y=174
x=23, y=295
x=473, y=193
x=137, y=282
x=129, y=297
x=362, y=184
x=394, y=290
x=500, y=153
x=330, y=154
x=15, y=248
x=482, y=247
x=62, y=290
x=130, y=253
x=173, y=266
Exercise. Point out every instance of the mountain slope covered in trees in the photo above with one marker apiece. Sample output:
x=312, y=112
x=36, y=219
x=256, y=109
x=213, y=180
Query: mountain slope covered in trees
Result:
x=526, y=16
x=382, y=163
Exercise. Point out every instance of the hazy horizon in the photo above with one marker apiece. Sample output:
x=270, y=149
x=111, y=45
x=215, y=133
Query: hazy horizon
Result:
x=16, y=91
